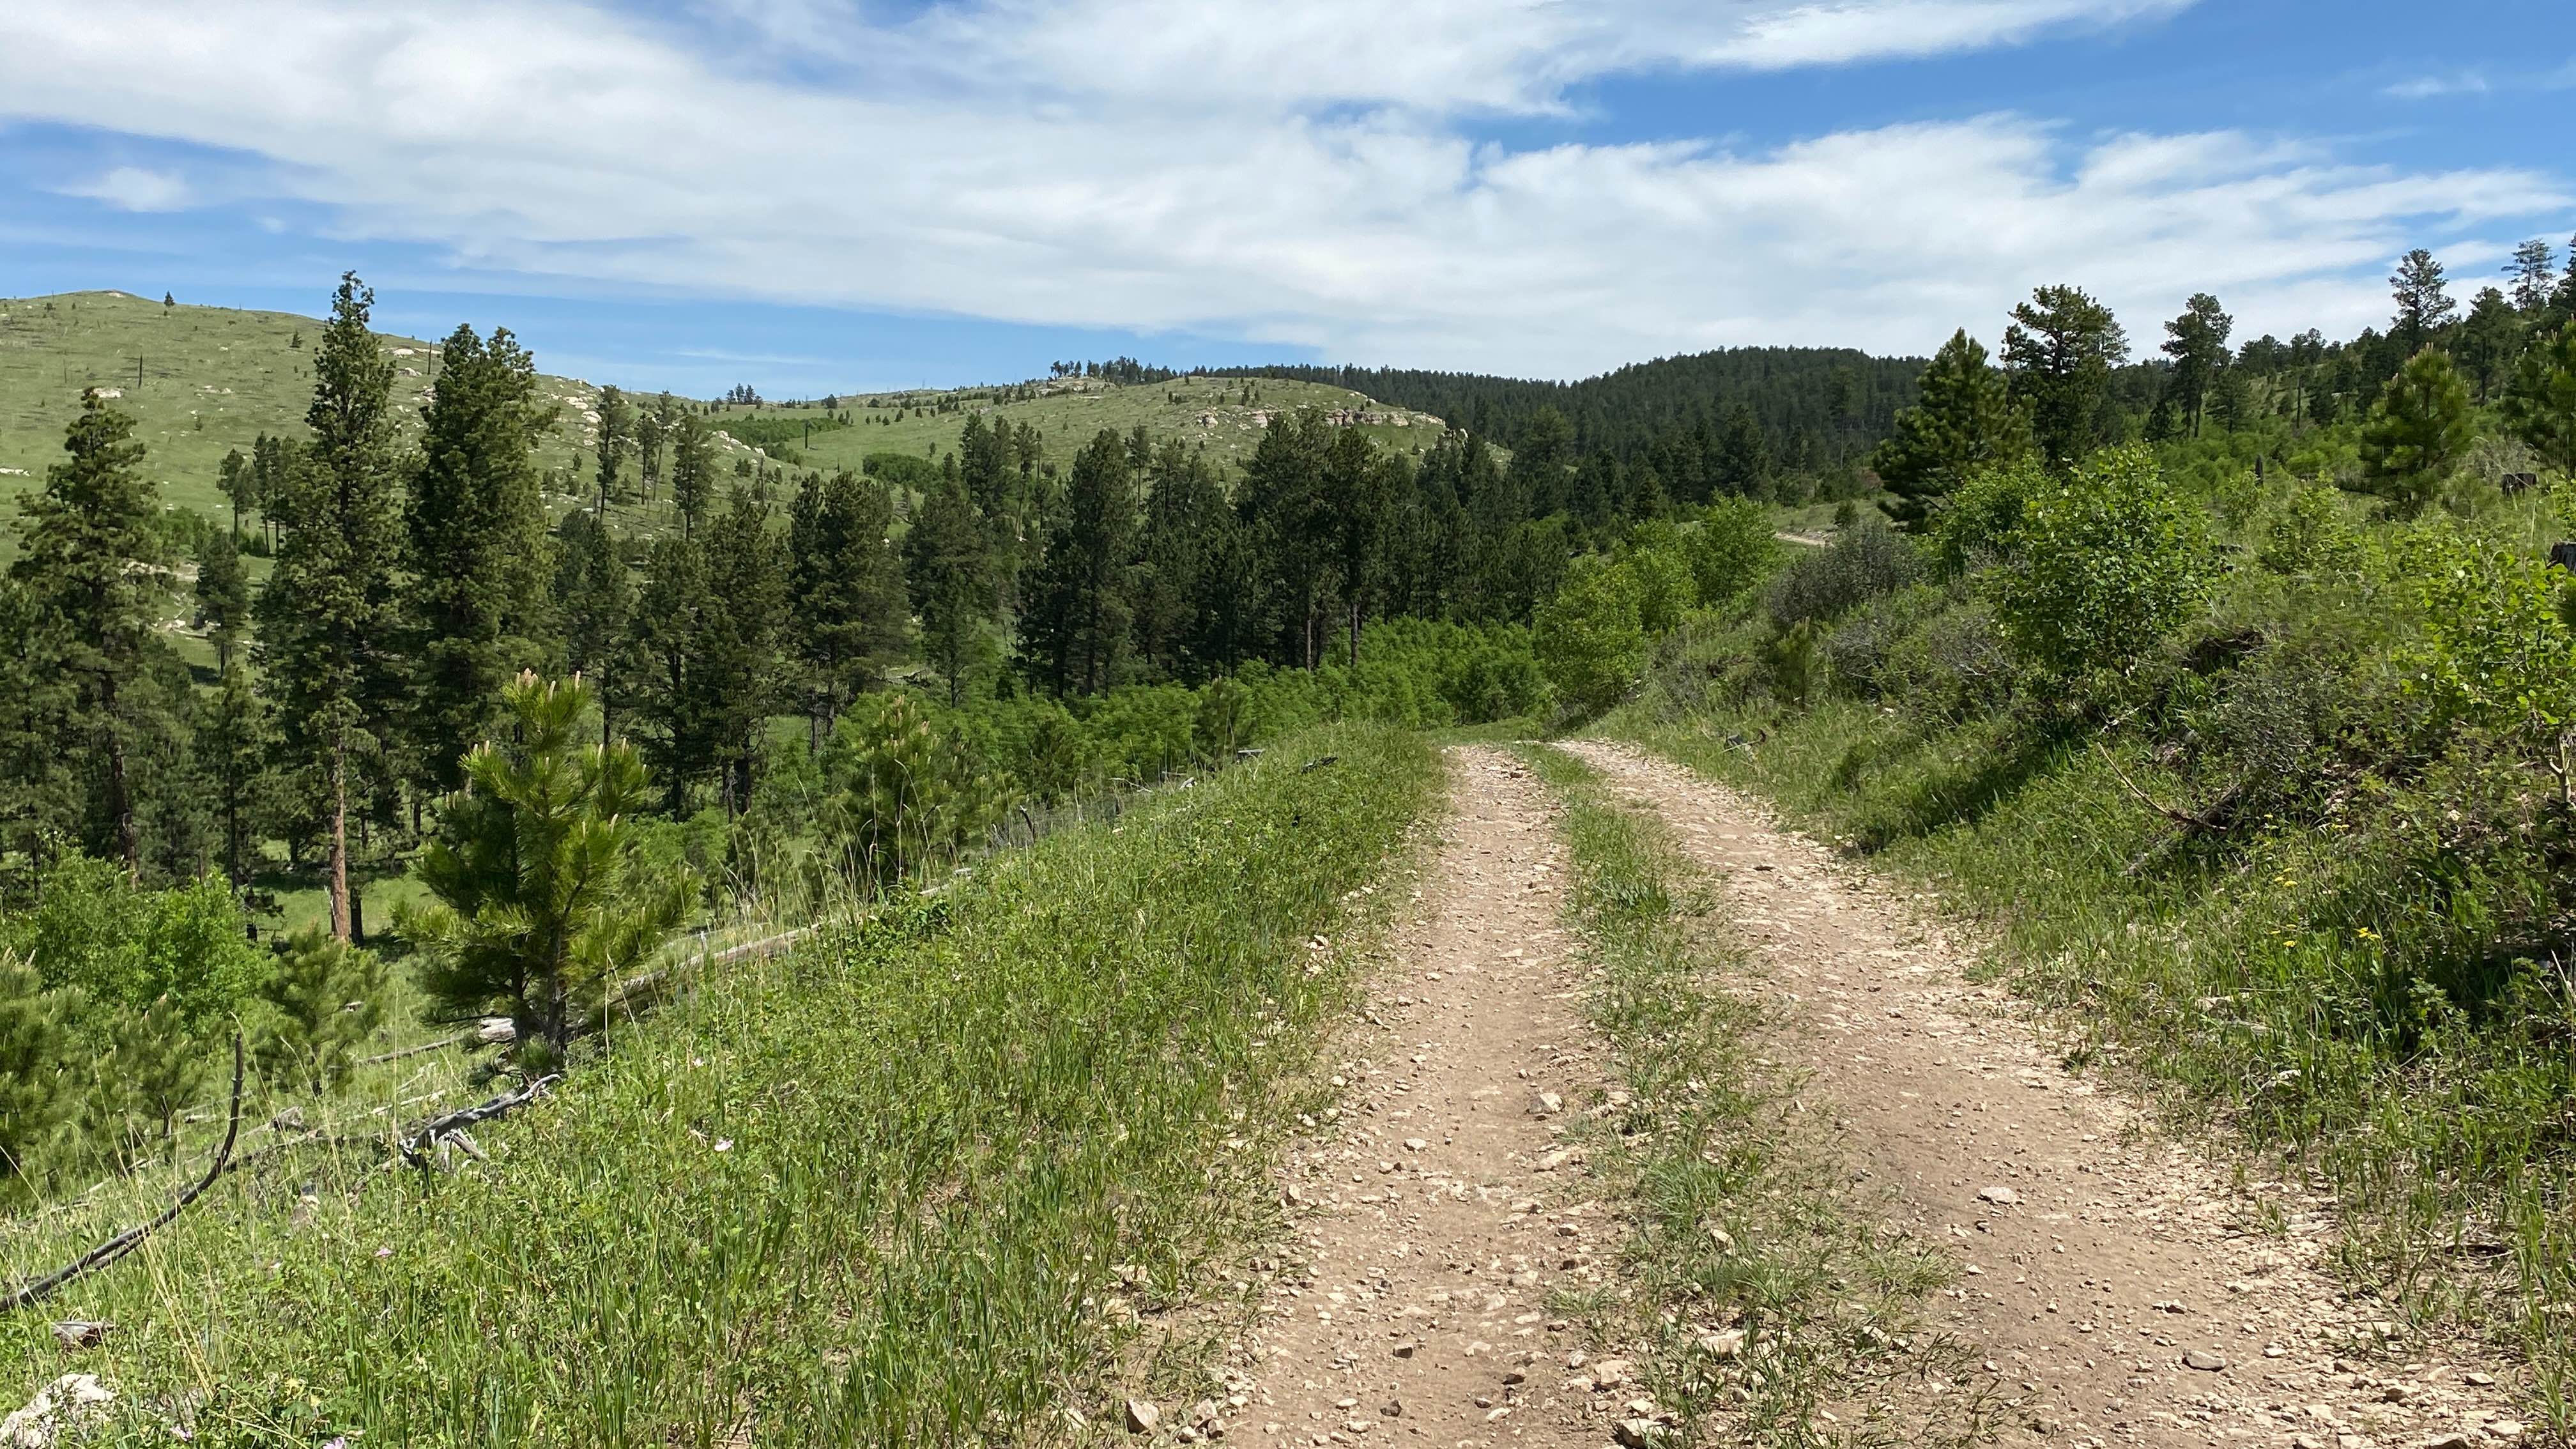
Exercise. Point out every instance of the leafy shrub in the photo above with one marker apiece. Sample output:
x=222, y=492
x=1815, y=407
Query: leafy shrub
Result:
x=2309, y=535
x=1985, y=513
x=1591, y=639
x=2102, y=567
x=2496, y=653
x=1861, y=565
x=1731, y=551
x=124, y=947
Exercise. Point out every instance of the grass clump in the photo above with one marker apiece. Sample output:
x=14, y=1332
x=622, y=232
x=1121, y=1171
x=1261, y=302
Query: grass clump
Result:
x=1765, y=1293
x=870, y=1191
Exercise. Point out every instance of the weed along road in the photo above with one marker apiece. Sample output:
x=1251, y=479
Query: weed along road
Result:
x=2115, y=1284
x=1431, y=1218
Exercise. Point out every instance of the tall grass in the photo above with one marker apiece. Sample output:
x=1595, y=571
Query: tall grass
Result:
x=1777, y=1310
x=868, y=1191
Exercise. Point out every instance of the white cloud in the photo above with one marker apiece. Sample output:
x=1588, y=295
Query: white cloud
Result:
x=2429, y=87
x=132, y=188
x=1297, y=175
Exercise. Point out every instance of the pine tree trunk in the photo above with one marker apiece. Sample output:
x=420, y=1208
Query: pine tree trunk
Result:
x=339, y=880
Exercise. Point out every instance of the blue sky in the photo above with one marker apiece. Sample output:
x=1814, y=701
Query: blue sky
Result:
x=832, y=195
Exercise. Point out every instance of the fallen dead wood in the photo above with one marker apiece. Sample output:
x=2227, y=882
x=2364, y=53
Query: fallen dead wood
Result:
x=126, y=1242
x=415, y=1150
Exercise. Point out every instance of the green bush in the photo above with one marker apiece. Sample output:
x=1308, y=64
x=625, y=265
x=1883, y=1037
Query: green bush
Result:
x=2103, y=567
x=1591, y=640
x=2308, y=535
x=1731, y=551
x=124, y=948
x=1822, y=583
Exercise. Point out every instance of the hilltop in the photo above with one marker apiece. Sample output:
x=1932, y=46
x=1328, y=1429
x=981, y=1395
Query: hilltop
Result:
x=202, y=381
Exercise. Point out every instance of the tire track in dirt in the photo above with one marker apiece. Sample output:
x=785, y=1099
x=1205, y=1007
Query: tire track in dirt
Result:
x=1427, y=1221
x=2116, y=1278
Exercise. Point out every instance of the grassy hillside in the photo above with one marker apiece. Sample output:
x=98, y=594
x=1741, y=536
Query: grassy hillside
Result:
x=202, y=381
x=211, y=380
x=821, y=1204
x=1067, y=414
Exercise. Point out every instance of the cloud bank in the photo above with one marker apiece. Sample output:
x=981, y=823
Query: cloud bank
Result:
x=1317, y=175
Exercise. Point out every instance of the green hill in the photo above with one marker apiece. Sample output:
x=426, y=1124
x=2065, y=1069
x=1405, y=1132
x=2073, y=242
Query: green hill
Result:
x=202, y=381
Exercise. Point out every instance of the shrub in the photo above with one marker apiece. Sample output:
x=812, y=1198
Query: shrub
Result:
x=1732, y=550
x=1591, y=640
x=327, y=999
x=2495, y=653
x=2102, y=567
x=1984, y=514
x=124, y=948
x=2308, y=535
x=1822, y=583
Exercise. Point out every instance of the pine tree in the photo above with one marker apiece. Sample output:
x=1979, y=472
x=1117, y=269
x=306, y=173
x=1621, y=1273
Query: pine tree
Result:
x=653, y=426
x=1186, y=519
x=37, y=1093
x=540, y=899
x=1078, y=622
x=693, y=472
x=1964, y=421
x=1281, y=506
x=746, y=571
x=846, y=608
x=2058, y=356
x=948, y=570
x=616, y=422
x=90, y=560
x=672, y=621
x=595, y=603
x=2197, y=343
x=2424, y=304
x=328, y=641
x=2417, y=432
x=2489, y=341
x=2540, y=403
x=223, y=597
x=236, y=481
x=231, y=753
x=326, y=999
x=1359, y=487
x=476, y=604
x=2534, y=270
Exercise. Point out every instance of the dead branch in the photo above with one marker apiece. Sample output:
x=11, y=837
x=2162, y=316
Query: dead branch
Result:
x=126, y=1242
x=2178, y=817
x=416, y=1149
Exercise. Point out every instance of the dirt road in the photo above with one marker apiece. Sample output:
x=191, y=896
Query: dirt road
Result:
x=2124, y=1287
x=1429, y=1215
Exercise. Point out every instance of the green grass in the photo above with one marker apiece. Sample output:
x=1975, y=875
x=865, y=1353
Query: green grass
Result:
x=1768, y=1295
x=213, y=379
x=869, y=1191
